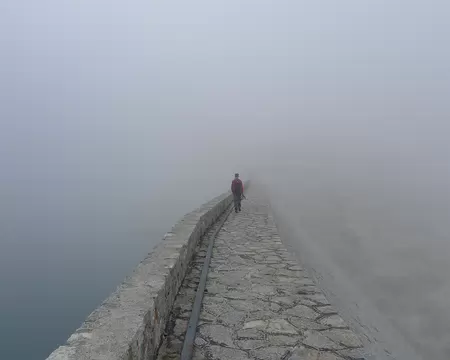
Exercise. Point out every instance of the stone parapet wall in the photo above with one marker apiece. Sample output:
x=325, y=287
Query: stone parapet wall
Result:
x=129, y=324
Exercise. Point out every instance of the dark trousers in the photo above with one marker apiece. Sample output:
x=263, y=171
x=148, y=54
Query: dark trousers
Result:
x=237, y=201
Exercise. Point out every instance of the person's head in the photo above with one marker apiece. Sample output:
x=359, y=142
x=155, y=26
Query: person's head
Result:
x=236, y=176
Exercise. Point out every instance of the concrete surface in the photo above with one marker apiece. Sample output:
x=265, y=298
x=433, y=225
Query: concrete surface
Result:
x=129, y=324
x=259, y=302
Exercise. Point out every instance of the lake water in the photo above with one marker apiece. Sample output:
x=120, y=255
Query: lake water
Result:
x=65, y=246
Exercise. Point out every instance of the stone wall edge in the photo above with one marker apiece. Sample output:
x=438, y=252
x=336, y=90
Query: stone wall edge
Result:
x=129, y=324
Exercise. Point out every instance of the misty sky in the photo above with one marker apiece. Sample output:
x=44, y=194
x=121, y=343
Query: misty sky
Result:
x=118, y=117
x=103, y=85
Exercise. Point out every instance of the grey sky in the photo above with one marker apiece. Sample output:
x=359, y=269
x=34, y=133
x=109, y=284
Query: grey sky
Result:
x=118, y=76
x=112, y=111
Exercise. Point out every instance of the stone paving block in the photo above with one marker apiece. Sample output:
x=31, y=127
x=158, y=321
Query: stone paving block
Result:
x=251, y=344
x=333, y=321
x=282, y=340
x=250, y=333
x=270, y=353
x=222, y=353
x=306, y=324
x=326, y=310
x=303, y=311
x=216, y=334
x=315, y=339
x=281, y=327
x=259, y=303
x=345, y=337
x=302, y=353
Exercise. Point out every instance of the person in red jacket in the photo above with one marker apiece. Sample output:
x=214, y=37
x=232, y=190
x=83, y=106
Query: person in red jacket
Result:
x=237, y=188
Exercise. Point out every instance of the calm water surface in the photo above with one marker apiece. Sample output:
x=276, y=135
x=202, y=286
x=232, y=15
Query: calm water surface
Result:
x=65, y=247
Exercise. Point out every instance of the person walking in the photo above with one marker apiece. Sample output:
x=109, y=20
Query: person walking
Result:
x=237, y=188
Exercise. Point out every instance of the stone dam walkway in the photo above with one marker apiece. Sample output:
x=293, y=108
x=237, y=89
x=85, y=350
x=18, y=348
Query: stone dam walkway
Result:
x=259, y=302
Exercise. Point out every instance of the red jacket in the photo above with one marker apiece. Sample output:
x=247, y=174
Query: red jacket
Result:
x=237, y=187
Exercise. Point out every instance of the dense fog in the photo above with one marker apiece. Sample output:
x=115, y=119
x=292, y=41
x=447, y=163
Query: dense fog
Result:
x=116, y=118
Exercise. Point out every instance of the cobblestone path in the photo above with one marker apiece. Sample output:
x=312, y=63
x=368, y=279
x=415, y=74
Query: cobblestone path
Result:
x=259, y=302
